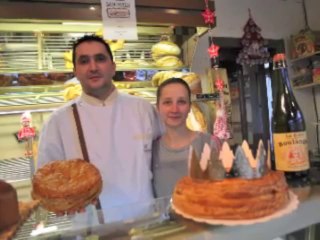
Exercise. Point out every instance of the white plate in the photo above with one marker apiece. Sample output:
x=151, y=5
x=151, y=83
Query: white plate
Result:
x=290, y=207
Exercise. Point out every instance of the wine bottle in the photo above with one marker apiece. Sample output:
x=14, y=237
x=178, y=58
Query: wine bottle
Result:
x=289, y=130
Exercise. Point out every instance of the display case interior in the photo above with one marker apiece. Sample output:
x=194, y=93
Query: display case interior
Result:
x=36, y=72
x=44, y=57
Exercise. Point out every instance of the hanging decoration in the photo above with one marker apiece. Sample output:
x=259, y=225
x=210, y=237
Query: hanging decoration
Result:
x=220, y=126
x=209, y=18
x=219, y=84
x=213, y=50
x=27, y=133
x=254, y=50
x=208, y=15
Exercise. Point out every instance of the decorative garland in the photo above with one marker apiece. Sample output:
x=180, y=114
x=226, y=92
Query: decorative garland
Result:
x=220, y=126
x=213, y=50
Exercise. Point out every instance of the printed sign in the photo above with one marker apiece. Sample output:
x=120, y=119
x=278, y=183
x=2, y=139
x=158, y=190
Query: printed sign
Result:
x=119, y=19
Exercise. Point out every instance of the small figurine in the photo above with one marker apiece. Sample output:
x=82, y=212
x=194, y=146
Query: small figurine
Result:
x=27, y=132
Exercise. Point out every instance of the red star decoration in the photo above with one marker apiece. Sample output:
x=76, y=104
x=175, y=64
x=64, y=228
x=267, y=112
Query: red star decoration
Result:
x=213, y=50
x=219, y=84
x=208, y=16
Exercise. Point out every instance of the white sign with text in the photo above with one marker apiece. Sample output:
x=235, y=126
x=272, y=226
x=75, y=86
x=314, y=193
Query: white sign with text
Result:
x=119, y=19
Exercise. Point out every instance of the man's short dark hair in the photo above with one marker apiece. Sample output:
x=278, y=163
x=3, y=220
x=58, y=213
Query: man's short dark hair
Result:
x=89, y=38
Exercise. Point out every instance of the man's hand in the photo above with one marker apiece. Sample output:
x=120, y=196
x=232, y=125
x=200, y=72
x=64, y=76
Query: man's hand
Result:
x=78, y=210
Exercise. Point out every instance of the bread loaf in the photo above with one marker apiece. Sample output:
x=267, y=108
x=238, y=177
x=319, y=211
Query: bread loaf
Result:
x=196, y=120
x=164, y=48
x=169, y=61
x=72, y=91
x=191, y=78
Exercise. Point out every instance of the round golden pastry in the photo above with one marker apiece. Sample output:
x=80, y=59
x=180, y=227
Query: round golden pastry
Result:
x=66, y=185
x=232, y=198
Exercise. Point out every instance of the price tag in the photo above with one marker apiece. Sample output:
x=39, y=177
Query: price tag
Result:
x=207, y=96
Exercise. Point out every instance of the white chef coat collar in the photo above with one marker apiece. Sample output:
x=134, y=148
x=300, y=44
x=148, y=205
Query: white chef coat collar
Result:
x=97, y=102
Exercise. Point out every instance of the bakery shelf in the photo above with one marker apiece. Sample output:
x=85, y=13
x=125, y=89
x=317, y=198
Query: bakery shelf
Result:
x=32, y=70
x=19, y=110
x=122, y=85
x=23, y=100
x=134, y=68
x=30, y=89
x=15, y=169
x=43, y=102
x=63, y=70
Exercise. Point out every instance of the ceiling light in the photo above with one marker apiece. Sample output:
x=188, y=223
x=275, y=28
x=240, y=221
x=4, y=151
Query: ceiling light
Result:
x=92, y=8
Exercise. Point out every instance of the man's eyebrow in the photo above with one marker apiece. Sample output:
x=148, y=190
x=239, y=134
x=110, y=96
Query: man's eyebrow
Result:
x=83, y=55
x=94, y=55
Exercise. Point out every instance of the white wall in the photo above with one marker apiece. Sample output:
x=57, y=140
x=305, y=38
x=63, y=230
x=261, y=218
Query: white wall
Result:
x=313, y=11
x=278, y=19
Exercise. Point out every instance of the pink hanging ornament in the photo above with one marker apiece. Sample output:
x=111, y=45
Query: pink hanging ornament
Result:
x=208, y=16
x=219, y=84
x=213, y=50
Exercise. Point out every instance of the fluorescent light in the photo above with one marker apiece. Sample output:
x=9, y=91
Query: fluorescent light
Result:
x=172, y=11
x=82, y=23
x=92, y=8
x=43, y=230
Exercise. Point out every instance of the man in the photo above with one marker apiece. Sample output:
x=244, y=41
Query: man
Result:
x=118, y=128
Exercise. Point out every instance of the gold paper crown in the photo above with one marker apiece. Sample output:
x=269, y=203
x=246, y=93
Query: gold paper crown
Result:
x=216, y=166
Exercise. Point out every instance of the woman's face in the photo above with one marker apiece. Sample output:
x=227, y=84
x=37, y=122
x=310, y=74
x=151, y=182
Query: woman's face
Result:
x=174, y=105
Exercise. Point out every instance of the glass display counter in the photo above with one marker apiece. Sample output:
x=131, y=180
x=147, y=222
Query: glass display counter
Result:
x=157, y=221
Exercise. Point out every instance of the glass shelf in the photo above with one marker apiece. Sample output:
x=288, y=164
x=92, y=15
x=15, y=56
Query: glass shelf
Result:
x=118, y=69
x=158, y=221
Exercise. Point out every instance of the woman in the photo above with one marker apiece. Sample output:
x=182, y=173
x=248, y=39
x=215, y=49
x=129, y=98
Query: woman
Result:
x=171, y=150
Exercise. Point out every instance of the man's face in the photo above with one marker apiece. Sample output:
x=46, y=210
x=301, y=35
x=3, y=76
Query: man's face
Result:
x=94, y=68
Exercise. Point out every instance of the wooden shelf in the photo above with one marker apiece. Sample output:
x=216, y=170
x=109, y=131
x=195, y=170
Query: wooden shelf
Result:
x=304, y=57
x=307, y=85
x=299, y=75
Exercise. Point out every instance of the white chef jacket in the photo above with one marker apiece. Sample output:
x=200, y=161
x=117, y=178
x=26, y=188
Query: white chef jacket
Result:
x=118, y=134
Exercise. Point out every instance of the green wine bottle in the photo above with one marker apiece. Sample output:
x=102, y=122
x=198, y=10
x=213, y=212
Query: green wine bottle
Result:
x=290, y=143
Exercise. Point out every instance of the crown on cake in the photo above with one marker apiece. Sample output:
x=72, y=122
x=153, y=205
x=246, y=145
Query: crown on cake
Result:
x=213, y=165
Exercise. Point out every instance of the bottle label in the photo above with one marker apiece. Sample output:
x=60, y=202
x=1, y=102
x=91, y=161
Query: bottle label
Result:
x=291, y=151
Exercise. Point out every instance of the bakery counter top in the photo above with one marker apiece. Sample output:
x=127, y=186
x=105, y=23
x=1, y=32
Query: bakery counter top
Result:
x=156, y=223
